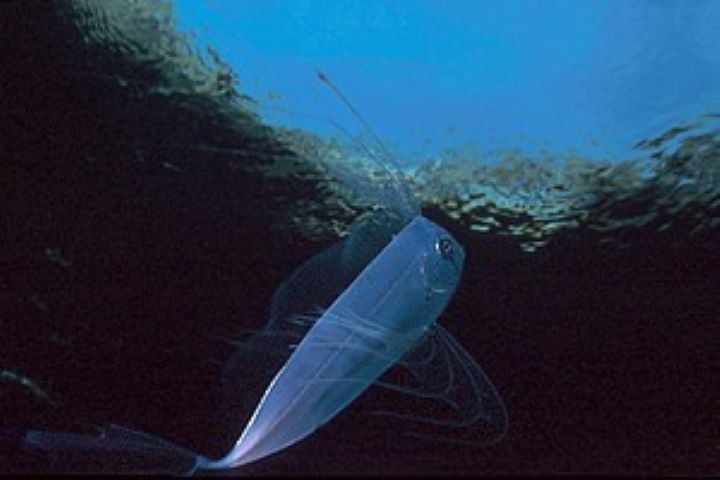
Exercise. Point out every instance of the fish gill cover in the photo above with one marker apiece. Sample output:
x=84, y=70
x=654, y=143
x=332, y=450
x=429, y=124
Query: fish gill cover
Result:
x=147, y=210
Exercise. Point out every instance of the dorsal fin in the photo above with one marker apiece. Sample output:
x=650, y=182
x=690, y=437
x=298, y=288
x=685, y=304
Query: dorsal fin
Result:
x=387, y=163
x=303, y=296
x=320, y=280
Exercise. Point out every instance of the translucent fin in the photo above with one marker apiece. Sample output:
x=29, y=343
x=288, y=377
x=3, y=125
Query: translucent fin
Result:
x=260, y=354
x=300, y=300
x=446, y=395
x=112, y=449
x=315, y=284
x=405, y=204
x=252, y=365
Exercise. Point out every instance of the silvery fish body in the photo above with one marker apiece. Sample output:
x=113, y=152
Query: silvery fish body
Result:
x=381, y=290
x=384, y=312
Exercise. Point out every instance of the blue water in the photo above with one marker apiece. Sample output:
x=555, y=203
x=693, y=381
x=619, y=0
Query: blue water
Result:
x=564, y=76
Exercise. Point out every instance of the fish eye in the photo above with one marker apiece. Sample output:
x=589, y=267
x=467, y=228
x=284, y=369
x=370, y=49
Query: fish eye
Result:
x=445, y=248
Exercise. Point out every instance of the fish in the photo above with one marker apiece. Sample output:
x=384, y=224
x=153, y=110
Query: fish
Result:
x=365, y=305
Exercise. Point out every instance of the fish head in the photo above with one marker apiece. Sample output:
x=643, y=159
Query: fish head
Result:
x=443, y=261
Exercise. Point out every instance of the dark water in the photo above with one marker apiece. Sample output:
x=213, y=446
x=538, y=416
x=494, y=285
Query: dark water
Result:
x=146, y=212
